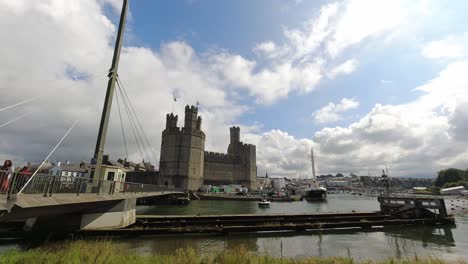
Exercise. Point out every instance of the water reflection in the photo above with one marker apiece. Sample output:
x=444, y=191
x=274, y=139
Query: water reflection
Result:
x=357, y=243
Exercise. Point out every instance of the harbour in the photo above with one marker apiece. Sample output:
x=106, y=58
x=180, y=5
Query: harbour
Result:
x=202, y=190
x=449, y=242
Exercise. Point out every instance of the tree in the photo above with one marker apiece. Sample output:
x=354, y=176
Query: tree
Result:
x=449, y=176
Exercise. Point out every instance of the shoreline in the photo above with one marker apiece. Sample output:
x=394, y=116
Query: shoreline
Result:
x=105, y=251
x=205, y=196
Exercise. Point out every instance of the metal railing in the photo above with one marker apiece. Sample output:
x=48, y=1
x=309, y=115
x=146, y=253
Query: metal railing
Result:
x=47, y=185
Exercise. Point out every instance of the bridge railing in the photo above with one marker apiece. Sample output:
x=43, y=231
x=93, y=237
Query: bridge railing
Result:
x=47, y=185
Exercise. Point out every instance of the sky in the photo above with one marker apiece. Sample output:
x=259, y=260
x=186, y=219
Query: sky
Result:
x=368, y=84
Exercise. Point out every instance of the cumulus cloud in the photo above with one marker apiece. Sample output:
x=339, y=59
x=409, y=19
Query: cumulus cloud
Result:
x=345, y=68
x=66, y=66
x=332, y=112
x=448, y=48
x=417, y=138
x=280, y=153
x=363, y=19
x=297, y=65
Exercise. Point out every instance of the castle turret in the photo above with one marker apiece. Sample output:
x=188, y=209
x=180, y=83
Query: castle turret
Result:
x=171, y=120
x=191, y=113
x=199, y=121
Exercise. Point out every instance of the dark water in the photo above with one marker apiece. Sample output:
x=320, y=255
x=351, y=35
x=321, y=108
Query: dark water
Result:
x=449, y=243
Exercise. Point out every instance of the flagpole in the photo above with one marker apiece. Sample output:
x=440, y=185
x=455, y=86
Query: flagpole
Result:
x=173, y=102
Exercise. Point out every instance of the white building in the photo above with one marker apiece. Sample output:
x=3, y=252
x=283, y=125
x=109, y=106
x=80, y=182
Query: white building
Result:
x=337, y=183
x=67, y=169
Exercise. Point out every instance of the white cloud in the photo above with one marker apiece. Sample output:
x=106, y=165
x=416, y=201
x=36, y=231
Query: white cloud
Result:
x=448, y=48
x=417, y=138
x=76, y=38
x=298, y=64
x=365, y=18
x=332, y=112
x=267, y=48
x=281, y=154
x=345, y=68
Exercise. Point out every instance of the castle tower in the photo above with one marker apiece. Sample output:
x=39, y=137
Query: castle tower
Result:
x=234, y=144
x=182, y=151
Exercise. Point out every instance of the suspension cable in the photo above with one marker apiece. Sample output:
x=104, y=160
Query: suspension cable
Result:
x=18, y=118
x=121, y=124
x=20, y=103
x=135, y=117
x=138, y=120
x=132, y=125
x=48, y=156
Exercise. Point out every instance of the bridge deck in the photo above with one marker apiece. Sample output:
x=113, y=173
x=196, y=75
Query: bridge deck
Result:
x=38, y=200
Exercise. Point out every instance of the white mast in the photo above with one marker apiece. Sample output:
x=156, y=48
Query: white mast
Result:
x=313, y=163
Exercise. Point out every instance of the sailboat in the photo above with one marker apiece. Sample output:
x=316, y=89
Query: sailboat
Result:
x=315, y=192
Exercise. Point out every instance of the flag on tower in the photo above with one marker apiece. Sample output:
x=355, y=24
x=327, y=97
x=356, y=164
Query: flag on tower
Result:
x=175, y=99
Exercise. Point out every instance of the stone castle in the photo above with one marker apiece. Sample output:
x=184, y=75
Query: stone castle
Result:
x=185, y=163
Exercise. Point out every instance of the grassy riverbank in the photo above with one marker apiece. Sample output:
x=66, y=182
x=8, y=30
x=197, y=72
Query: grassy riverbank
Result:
x=106, y=252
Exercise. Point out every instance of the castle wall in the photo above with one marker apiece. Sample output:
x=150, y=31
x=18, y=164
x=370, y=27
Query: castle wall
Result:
x=220, y=168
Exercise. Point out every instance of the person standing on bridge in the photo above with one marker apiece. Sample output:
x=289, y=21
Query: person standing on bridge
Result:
x=6, y=174
x=21, y=178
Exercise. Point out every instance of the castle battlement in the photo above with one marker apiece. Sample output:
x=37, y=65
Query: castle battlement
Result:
x=221, y=157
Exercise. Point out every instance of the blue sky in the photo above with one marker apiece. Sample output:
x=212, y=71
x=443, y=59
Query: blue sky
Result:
x=386, y=75
x=364, y=82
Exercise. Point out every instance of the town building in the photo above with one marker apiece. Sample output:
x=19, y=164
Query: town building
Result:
x=67, y=169
x=278, y=183
x=184, y=162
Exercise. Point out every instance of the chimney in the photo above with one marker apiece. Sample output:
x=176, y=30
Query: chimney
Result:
x=58, y=164
x=68, y=162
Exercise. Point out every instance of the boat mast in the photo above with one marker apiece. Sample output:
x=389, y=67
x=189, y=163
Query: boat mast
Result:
x=101, y=139
x=313, y=163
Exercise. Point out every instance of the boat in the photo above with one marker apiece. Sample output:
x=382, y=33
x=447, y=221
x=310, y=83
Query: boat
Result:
x=264, y=203
x=315, y=191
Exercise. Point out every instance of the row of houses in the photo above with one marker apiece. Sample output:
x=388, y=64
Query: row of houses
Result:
x=111, y=170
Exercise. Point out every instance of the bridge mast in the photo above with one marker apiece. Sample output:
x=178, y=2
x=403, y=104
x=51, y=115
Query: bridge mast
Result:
x=101, y=139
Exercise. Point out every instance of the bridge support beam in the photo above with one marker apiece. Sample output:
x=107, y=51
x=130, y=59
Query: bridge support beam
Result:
x=108, y=215
x=121, y=215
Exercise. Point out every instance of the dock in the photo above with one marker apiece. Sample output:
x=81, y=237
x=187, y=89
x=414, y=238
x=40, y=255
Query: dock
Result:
x=394, y=211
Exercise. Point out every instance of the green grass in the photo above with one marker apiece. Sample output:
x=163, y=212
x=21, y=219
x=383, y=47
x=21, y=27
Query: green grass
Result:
x=106, y=252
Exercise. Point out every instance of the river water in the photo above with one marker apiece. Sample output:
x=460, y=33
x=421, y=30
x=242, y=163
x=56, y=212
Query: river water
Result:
x=450, y=243
x=407, y=241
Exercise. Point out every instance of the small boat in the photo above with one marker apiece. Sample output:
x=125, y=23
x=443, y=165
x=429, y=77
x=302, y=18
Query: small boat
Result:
x=264, y=203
